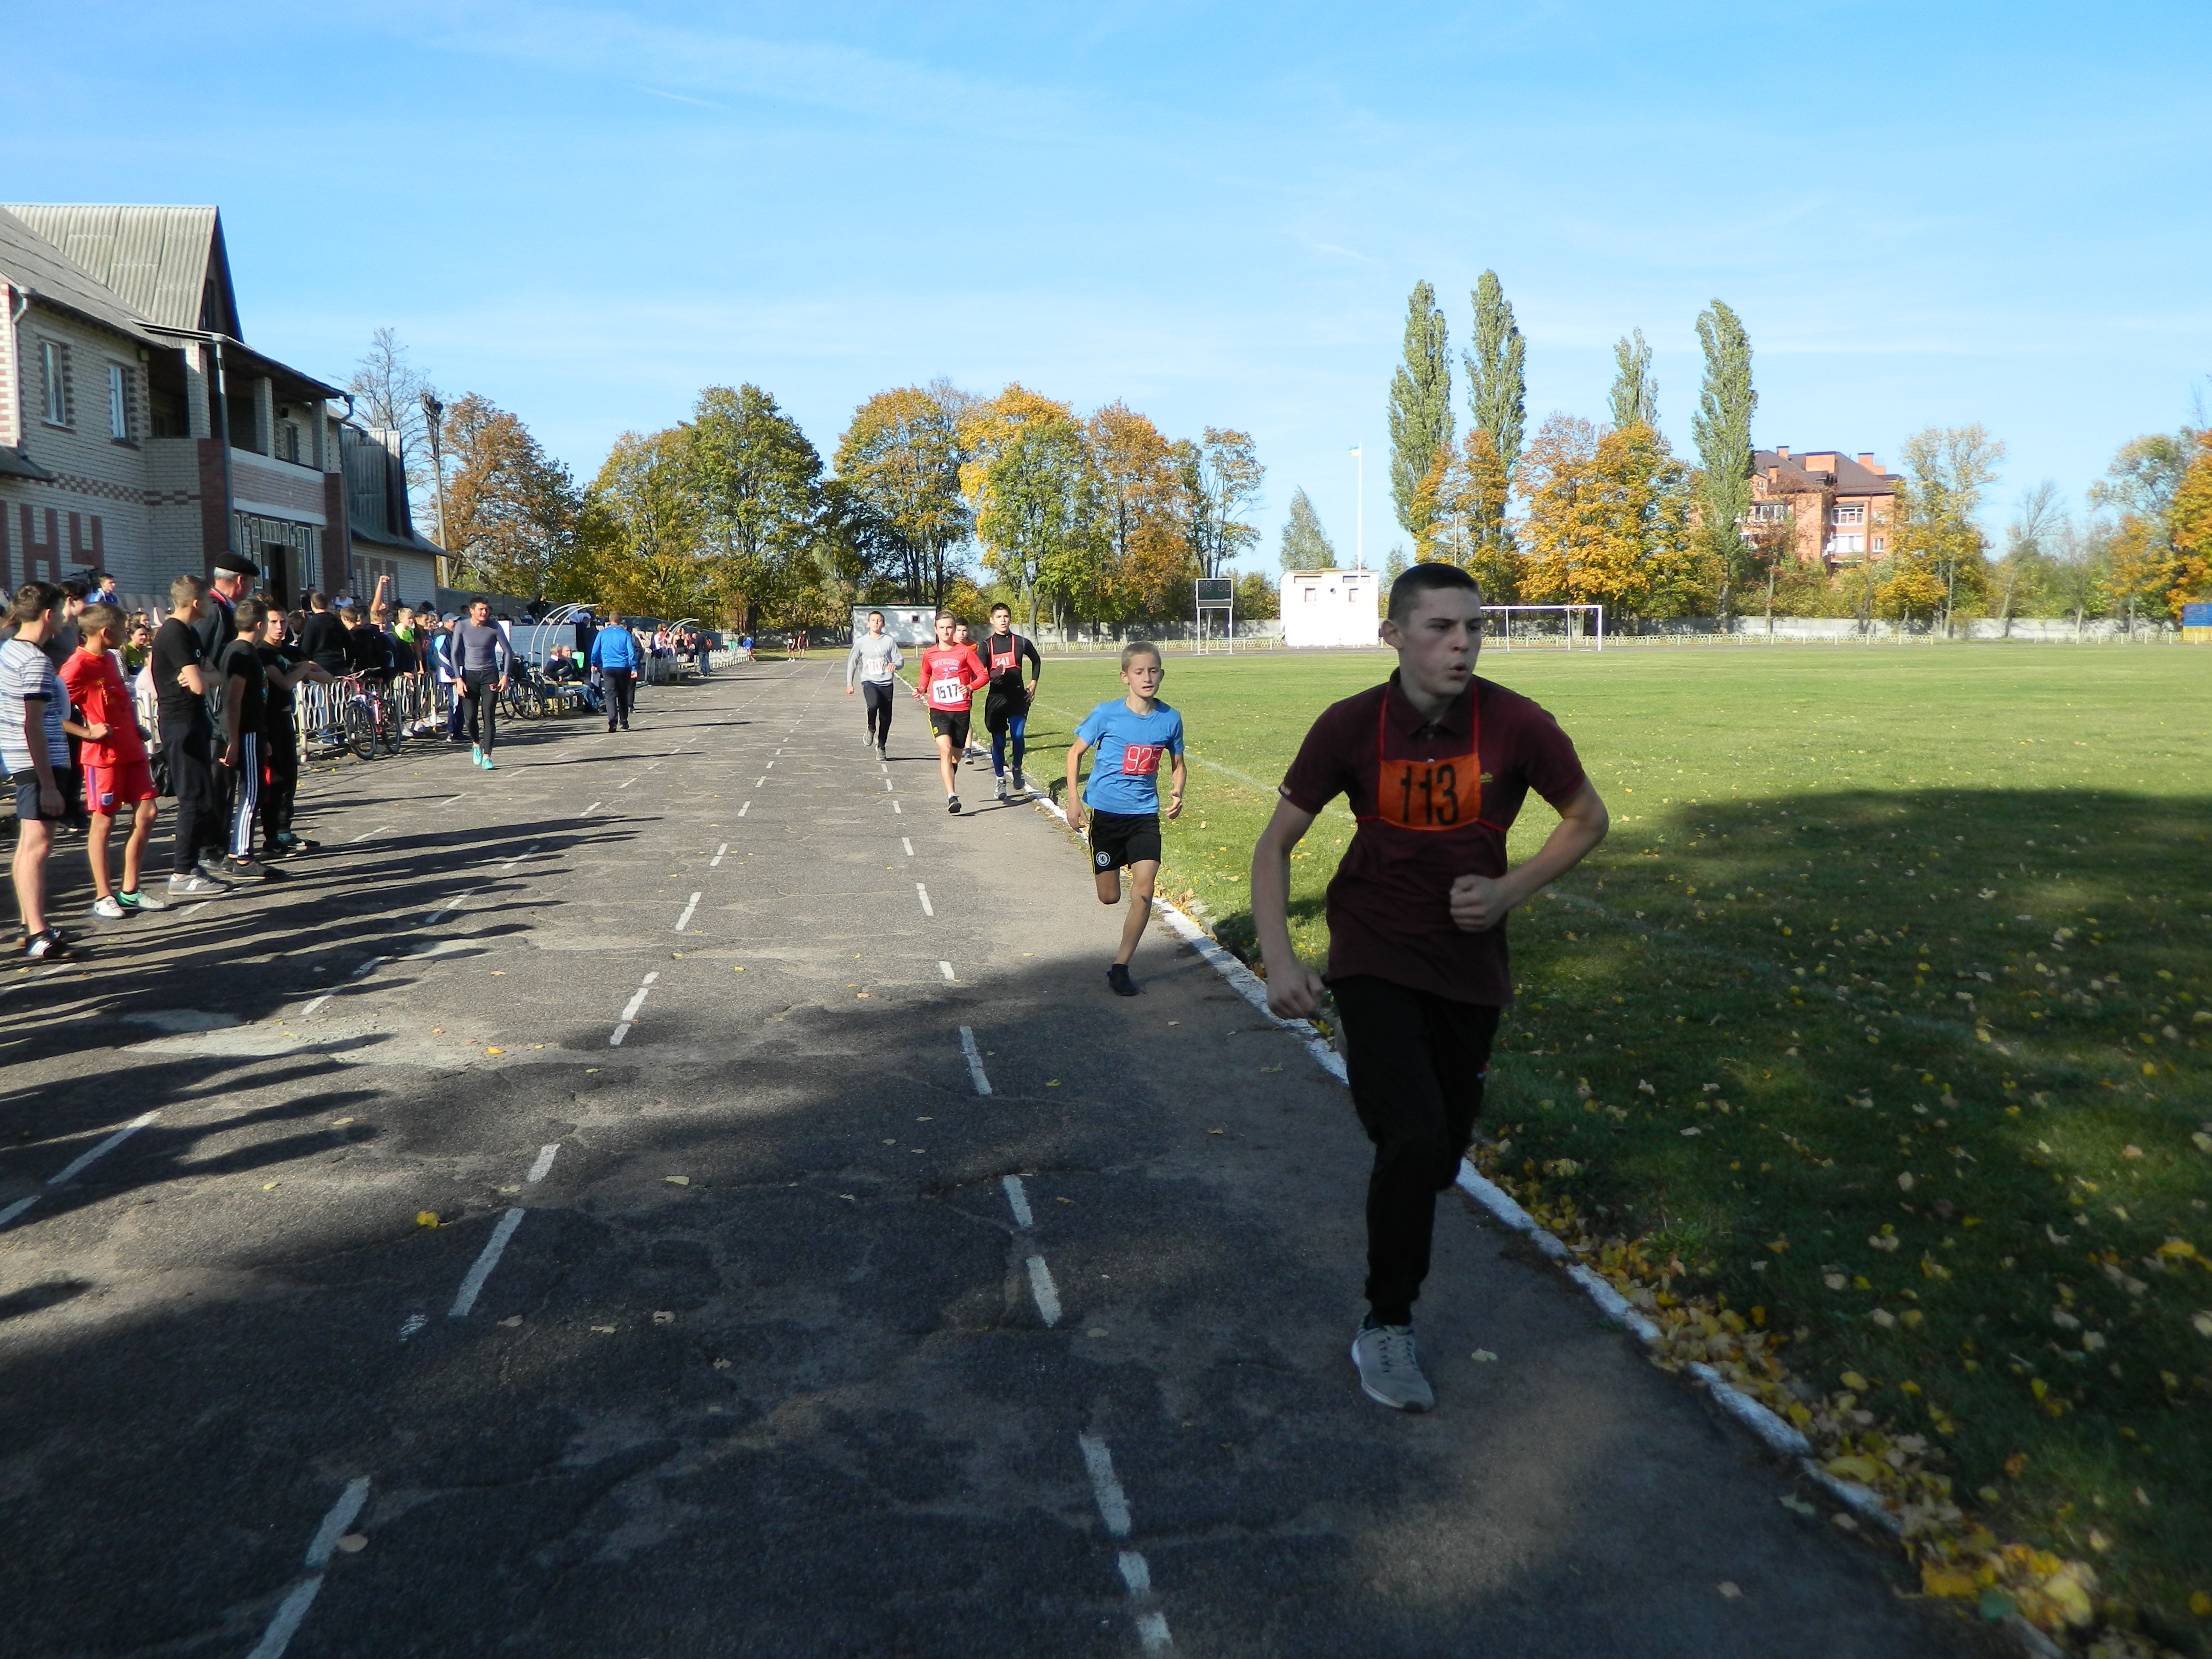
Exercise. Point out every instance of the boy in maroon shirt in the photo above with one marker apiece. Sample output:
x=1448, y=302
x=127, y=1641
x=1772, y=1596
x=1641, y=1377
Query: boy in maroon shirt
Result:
x=1436, y=764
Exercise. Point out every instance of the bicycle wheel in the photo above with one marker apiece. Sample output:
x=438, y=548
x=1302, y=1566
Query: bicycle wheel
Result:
x=387, y=727
x=359, y=731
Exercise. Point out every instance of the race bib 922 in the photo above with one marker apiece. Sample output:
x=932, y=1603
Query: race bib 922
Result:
x=1141, y=760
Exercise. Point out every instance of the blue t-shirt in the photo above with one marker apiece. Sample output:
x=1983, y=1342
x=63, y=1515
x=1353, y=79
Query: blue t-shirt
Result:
x=1124, y=770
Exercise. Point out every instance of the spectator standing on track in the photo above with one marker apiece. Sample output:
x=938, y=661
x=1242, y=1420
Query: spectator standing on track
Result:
x=949, y=675
x=285, y=666
x=245, y=731
x=182, y=678
x=1122, y=799
x=1007, y=705
x=118, y=778
x=1436, y=764
x=35, y=750
x=441, y=665
x=615, y=656
x=323, y=635
x=875, y=661
x=140, y=645
x=482, y=659
x=217, y=626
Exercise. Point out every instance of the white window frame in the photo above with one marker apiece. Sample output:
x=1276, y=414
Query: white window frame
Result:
x=1852, y=512
x=54, y=367
x=119, y=424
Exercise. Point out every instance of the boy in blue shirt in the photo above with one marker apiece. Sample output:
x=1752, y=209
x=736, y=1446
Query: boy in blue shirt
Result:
x=1122, y=799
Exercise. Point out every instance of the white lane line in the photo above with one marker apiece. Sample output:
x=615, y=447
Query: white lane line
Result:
x=897, y=808
x=1047, y=1299
x=293, y=1607
x=746, y=808
x=473, y=1286
x=191, y=909
x=589, y=811
x=770, y=767
x=450, y=799
x=685, y=921
x=625, y=783
x=758, y=782
x=1136, y=1572
x=511, y=862
x=715, y=862
x=365, y=834
x=444, y=910
x=316, y=1003
x=908, y=844
x=368, y=967
x=630, y=1012
x=887, y=783
x=412, y=1324
x=83, y=1160
x=1105, y=1484
x=975, y=1060
x=923, y=894
x=544, y=1166
x=946, y=968
x=1018, y=1200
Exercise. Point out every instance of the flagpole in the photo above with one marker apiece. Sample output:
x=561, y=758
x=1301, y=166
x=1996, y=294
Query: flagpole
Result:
x=1359, y=512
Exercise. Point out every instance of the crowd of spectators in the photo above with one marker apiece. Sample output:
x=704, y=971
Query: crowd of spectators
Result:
x=105, y=713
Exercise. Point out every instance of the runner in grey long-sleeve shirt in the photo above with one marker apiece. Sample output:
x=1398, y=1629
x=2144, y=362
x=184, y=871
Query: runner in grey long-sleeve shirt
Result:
x=482, y=659
x=875, y=659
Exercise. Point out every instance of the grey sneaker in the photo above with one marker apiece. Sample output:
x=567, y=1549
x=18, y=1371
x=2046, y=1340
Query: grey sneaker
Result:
x=1390, y=1371
x=109, y=908
x=212, y=868
x=246, y=870
x=141, y=901
x=197, y=886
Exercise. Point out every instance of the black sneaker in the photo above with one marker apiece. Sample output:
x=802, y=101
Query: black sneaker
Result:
x=1119, y=982
x=246, y=870
x=952, y=802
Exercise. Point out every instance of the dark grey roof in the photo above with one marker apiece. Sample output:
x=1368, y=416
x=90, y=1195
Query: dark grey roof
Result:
x=29, y=260
x=169, y=264
x=15, y=464
x=412, y=541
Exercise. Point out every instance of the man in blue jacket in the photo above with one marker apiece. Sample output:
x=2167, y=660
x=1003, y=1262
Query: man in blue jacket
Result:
x=614, y=653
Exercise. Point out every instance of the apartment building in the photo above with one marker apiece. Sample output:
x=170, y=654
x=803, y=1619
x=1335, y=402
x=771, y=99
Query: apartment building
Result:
x=140, y=434
x=1835, y=506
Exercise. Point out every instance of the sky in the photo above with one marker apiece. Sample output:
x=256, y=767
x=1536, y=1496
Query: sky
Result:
x=1925, y=215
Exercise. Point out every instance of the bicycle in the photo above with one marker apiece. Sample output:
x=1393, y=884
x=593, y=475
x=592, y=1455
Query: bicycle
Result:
x=369, y=717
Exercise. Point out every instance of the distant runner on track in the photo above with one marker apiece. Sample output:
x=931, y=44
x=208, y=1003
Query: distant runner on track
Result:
x=1007, y=705
x=1123, y=796
x=875, y=659
x=1436, y=763
x=950, y=674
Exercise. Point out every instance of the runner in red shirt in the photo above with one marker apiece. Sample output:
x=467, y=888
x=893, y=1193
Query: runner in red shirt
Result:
x=1436, y=764
x=117, y=777
x=950, y=674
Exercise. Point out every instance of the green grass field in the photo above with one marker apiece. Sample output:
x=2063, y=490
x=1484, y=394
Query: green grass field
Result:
x=1887, y=996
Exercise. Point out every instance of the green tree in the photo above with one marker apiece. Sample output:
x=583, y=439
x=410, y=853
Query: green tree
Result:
x=759, y=483
x=899, y=461
x=1721, y=430
x=1221, y=477
x=1306, y=545
x=2019, y=584
x=643, y=547
x=1043, y=524
x=1258, y=600
x=1938, y=562
x=1497, y=373
x=1635, y=396
x=1420, y=400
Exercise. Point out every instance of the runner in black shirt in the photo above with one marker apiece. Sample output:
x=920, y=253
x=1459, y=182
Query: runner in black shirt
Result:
x=1006, y=706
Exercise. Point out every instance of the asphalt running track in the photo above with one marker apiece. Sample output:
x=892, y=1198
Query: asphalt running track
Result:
x=826, y=1264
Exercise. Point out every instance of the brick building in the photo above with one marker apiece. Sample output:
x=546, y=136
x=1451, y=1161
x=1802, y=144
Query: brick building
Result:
x=140, y=434
x=1838, y=505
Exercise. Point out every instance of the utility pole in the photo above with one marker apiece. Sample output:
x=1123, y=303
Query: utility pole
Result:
x=1359, y=512
x=434, y=413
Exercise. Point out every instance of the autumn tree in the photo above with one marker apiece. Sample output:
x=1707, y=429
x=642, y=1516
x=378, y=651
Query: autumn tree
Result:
x=2190, y=528
x=1042, y=519
x=1937, y=553
x=1460, y=506
x=1607, y=522
x=899, y=462
x=758, y=479
x=510, y=509
x=1306, y=545
x=1721, y=430
x=644, y=543
x=1221, y=475
x=1635, y=395
x=1420, y=401
x=1147, y=563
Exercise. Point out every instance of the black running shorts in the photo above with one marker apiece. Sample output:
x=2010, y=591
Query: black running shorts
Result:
x=951, y=723
x=1124, y=838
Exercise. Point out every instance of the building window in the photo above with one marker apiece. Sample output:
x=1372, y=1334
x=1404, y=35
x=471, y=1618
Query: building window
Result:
x=1882, y=543
x=288, y=441
x=53, y=360
x=1845, y=545
x=119, y=402
x=1769, y=512
x=1850, y=514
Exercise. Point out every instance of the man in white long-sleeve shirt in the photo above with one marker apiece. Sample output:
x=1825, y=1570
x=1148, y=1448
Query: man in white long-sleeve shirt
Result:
x=875, y=661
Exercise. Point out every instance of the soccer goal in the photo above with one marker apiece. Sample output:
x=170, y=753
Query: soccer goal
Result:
x=1546, y=627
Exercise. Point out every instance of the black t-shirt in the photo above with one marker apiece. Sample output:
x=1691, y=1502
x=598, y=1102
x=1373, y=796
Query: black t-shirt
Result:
x=367, y=652
x=176, y=646
x=1003, y=659
x=286, y=657
x=322, y=637
x=216, y=627
x=242, y=662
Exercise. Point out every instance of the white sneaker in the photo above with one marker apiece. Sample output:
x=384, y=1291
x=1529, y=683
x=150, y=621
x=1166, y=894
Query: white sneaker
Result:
x=109, y=908
x=999, y=787
x=1389, y=1369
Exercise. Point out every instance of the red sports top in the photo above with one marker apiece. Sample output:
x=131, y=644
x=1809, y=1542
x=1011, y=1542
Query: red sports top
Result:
x=1389, y=906
x=949, y=675
x=95, y=686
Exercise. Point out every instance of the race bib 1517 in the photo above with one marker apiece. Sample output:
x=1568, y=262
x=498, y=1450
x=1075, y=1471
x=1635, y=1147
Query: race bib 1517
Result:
x=948, y=691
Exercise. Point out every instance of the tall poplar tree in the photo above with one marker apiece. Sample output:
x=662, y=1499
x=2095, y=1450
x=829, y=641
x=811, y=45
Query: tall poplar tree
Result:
x=1420, y=400
x=1497, y=378
x=1306, y=545
x=1635, y=396
x=1722, y=428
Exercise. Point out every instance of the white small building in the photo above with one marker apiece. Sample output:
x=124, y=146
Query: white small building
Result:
x=911, y=625
x=1336, y=608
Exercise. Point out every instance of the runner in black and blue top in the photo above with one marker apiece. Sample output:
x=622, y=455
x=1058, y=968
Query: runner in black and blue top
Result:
x=1122, y=799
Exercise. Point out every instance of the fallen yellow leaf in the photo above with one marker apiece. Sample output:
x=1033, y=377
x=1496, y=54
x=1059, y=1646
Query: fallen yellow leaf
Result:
x=1946, y=1580
x=495, y=1051
x=677, y=1181
x=426, y=1218
x=2201, y=1605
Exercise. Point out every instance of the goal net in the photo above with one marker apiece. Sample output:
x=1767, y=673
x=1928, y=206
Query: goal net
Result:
x=1545, y=627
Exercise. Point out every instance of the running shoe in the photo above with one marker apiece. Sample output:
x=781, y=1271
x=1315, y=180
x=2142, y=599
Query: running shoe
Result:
x=998, y=786
x=1389, y=1369
x=952, y=802
x=1021, y=783
x=485, y=761
x=197, y=886
x=212, y=869
x=476, y=753
x=1119, y=982
x=142, y=901
x=109, y=908
x=45, y=946
x=246, y=870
